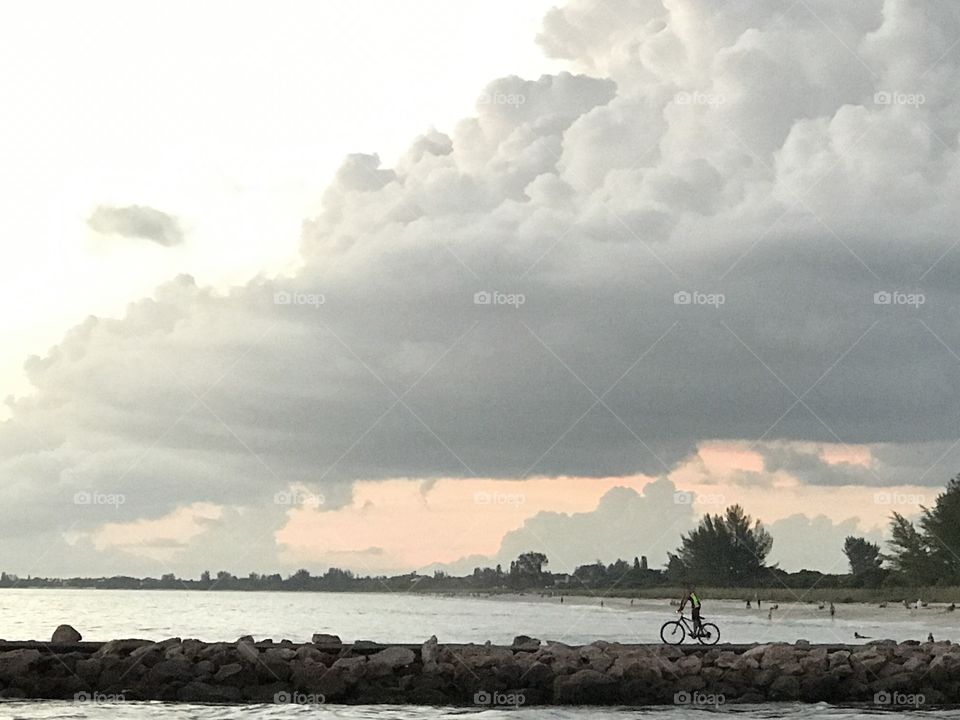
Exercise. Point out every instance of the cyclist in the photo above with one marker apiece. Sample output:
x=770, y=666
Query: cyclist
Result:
x=694, y=608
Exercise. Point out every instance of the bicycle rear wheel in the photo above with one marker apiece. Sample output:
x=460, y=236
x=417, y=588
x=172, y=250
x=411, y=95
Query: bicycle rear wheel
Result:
x=672, y=632
x=709, y=634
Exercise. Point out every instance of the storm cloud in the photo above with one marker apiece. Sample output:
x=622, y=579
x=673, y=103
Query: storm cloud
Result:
x=728, y=222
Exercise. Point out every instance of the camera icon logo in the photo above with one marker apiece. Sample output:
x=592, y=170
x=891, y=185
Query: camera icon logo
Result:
x=683, y=497
x=682, y=297
x=482, y=698
x=282, y=297
x=483, y=297
x=882, y=297
x=882, y=698
x=682, y=698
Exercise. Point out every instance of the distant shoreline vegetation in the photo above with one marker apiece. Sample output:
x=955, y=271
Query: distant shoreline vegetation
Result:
x=725, y=557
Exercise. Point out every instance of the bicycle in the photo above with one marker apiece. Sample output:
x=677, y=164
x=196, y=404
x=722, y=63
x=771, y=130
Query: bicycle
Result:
x=674, y=632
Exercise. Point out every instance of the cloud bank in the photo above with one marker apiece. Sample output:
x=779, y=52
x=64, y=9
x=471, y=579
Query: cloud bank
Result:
x=727, y=222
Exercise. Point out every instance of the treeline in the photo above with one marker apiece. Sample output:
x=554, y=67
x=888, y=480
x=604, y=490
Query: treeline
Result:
x=727, y=550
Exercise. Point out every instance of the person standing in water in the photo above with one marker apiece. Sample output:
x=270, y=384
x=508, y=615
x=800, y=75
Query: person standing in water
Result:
x=694, y=608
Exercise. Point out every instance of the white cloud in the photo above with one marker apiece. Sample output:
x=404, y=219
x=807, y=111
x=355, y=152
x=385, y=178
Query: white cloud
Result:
x=731, y=151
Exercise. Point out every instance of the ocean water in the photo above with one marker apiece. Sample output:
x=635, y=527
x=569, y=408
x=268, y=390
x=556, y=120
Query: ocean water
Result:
x=102, y=615
x=106, y=614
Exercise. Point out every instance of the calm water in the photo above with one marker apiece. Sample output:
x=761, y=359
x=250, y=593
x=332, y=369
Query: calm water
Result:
x=107, y=614
x=102, y=615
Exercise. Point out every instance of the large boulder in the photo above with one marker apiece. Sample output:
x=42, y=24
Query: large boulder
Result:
x=66, y=634
x=525, y=643
x=386, y=661
x=14, y=664
x=326, y=639
x=585, y=687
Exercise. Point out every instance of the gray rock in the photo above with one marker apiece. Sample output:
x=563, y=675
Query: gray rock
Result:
x=14, y=664
x=386, y=661
x=525, y=643
x=325, y=639
x=66, y=634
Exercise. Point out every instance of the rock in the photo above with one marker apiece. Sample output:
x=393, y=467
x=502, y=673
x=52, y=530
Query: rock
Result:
x=325, y=639
x=120, y=647
x=351, y=670
x=66, y=634
x=245, y=639
x=386, y=661
x=14, y=664
x=585, y=687
x=430, y=651
x=227, y=671
x=248, y=652
x=525, y=643
x=167, y=670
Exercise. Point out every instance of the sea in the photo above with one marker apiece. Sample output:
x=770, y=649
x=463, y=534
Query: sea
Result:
x=32, y=614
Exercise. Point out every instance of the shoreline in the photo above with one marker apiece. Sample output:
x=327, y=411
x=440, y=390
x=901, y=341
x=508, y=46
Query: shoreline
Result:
x=527, y=672
x=932, y=595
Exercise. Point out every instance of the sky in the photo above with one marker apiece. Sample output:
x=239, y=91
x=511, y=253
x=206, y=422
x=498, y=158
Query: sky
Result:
x=290, y=288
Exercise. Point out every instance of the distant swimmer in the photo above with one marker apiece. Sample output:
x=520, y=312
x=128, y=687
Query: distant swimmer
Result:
x=748, y=604
x=833, y=610
x=770, y=614
x=776, y=607
x=561, y=599
x=951, y=607
x=821, y=606
x=930, y=638
x=918, y=605
x=883, y=605
x=601, y=603
x=858, y=636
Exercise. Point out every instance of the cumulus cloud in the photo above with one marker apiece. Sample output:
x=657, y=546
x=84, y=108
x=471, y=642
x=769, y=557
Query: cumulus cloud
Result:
x=729, y=222
x=137, y=221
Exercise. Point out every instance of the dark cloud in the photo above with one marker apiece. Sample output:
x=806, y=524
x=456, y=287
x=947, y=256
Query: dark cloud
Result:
x=137, y=221
x=742, y=230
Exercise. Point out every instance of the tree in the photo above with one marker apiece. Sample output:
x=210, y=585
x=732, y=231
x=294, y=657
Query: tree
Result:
x=864, y=556
x=941, y=532
x=911, y=557
x=728, y=549
x=530, y=564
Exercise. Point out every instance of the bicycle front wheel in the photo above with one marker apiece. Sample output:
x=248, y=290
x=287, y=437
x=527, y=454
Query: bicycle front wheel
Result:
x=709, y=634
x=672, y=632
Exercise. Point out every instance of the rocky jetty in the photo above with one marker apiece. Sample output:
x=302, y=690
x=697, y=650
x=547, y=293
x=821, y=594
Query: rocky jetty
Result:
x=529, y=672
